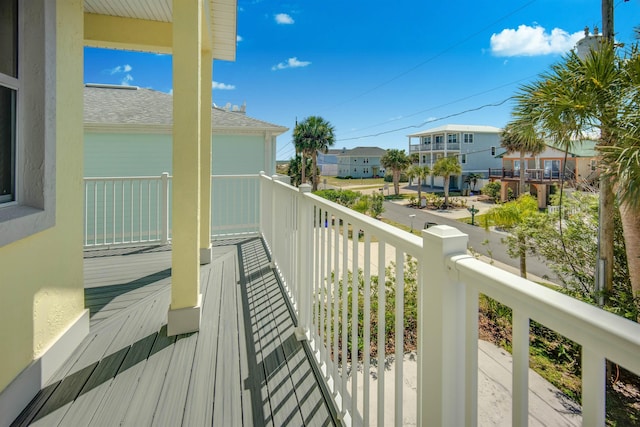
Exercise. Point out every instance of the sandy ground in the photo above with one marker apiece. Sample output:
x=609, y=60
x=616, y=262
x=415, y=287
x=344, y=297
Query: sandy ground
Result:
x=547, y=405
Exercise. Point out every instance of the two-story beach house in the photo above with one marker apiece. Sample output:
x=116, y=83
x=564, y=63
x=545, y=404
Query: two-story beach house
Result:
x=360, y=162
x=245, y=323
x=547, y=169
x=475, y=147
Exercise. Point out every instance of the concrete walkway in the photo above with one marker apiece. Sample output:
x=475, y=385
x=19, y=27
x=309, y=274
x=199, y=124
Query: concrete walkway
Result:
x=547, y=405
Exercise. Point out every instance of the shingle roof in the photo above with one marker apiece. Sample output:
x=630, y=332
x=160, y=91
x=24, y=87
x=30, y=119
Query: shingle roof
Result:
x=363, y=151
x=122, y=105
x=459, y=128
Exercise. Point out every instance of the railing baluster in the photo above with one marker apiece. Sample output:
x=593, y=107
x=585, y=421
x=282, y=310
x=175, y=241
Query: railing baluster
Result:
x=593, y=387
x=328, y=290
x=336, y=299
x=520, y=393
x=471, y=356
x=345, y=318
x=355, y=290
x=366, y=346
x=113, y=219
x=399, y=338
x=381, y=329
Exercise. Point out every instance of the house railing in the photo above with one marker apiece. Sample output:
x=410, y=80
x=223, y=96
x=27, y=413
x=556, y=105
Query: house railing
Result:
x=326, y=254
x=137, y=210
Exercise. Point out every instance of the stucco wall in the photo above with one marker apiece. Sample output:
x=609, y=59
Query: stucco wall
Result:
x=42, y=280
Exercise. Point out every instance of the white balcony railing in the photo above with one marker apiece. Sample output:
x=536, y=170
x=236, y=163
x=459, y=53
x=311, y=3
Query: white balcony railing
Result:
x=326, y=254
x=317, y=245
x=137, y=210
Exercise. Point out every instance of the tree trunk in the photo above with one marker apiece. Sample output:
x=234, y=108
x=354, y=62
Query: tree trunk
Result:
x=303, y=167
x=607, y=231
x=314, y=171
x=446, y=192
x=631, y=231
x=523, y=258
x=522, y=169
x=396, y=182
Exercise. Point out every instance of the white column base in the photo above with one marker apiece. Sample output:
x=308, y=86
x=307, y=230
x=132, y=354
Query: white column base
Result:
x=206, y=255
x=184, y=320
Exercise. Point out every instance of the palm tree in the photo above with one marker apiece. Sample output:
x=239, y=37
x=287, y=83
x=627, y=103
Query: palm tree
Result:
x=397, y=161
x=520, y=136
x=295, y=170
x=472, y=180
x=512, y=216
x=445, y=167
x=421, y=173
x=311, y=135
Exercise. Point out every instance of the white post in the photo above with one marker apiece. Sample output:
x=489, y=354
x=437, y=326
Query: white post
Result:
x=441, y=335
x=164, y=216
x=303, y=281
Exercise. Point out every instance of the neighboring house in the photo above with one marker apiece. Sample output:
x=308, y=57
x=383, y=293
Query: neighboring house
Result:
x=328, y=162
x=475, y=147
x=42, y=303
x=360, y=162
x=128, y=132
x=545, y=169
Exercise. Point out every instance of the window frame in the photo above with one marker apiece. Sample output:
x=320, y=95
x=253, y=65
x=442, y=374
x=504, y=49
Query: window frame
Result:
x=466, y=140
x=452, y=138
x=34, y=207
x=493, y=150
x=463, y=159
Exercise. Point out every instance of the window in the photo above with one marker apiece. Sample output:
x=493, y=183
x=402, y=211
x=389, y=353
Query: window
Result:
x=452, y=138
x=463, y=158
x=426, y=140
x=424, y=159
x=439, y=139
x=27, y=126
x=467, y=138
x=9, y=86
x=493, y=151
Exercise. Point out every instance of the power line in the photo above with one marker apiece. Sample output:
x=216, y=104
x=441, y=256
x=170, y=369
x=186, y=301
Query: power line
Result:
x=437, y=55
x=497, y=104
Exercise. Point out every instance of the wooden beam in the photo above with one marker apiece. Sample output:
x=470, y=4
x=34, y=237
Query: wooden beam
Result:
x=114, y=32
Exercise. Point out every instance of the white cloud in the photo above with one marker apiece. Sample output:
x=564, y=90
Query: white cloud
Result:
x=291, y=63
x=120, y=69
x=239, y=39
x=533, y=41
x=283, y=18
x=126, y=80
x=222, y=86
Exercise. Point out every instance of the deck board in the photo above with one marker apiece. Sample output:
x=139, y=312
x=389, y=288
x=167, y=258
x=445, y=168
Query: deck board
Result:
x=243, y=367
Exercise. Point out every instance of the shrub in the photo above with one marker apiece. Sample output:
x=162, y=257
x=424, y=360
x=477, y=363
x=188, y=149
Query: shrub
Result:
x=492, y=190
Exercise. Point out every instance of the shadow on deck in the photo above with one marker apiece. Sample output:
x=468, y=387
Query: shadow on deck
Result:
x=244, y=366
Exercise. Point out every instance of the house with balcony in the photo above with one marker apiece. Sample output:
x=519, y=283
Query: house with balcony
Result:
x=549, y=168
x=475, y=147
x=360, y=162
x=241, y=325
x=328, y=162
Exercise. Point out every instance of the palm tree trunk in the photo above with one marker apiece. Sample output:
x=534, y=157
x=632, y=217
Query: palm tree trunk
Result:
x=607, y=231
x=631, y=231
x=396, y=182
x=303, y=167
x=522, y=168
x=314, y=171
x=446, y=192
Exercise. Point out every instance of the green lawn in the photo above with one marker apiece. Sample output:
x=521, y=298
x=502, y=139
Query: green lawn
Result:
x=364, y=182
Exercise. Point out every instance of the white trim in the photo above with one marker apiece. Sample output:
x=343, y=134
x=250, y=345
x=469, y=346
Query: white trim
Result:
x=206, y=255
x=17, y=395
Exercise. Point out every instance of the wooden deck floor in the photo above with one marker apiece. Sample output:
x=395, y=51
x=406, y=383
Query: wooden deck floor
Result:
x=244, y=366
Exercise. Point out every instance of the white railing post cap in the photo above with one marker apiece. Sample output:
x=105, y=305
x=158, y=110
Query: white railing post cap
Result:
x=443, y=231
x=304, y=188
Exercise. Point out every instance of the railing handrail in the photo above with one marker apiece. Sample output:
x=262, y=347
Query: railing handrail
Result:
x=616, y=337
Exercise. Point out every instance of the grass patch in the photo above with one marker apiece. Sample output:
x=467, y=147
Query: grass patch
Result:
x=341, y=182
x=479, y=220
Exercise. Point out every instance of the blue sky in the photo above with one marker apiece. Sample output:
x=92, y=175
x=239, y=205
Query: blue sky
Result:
x=378, y=70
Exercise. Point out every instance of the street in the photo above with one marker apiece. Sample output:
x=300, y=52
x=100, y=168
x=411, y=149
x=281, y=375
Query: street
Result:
x=494, y=249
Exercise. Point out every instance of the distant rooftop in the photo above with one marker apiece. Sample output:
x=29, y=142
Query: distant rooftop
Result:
x=362, y=151
x=111, y=105
x=458, y=128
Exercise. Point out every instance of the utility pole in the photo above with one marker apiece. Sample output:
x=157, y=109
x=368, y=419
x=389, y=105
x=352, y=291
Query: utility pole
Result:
x=604, y=262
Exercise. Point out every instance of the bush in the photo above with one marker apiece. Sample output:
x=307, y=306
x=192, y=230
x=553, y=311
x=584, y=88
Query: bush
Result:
x=492, y=190
x=389, y=178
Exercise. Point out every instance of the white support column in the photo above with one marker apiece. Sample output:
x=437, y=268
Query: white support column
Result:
x=304, y=264
x=441, y=334
x=205, y=158
x=184, y=312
